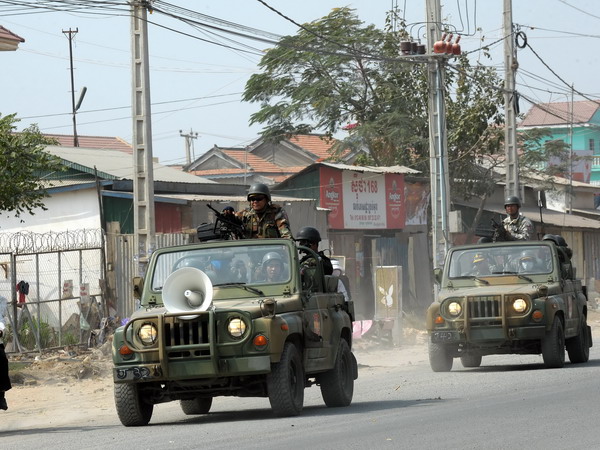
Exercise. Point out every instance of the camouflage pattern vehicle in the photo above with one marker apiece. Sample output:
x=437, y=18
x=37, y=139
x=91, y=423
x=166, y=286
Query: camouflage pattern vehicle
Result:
x=212, y=324
x=519, y=297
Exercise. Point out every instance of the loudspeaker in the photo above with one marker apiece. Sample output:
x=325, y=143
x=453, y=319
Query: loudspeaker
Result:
x=187, y=290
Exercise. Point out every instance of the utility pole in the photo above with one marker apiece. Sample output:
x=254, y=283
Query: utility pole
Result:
x=143, y=172
x=440, y=186
x=510, y=101
x=70, y=34
x=189, y=145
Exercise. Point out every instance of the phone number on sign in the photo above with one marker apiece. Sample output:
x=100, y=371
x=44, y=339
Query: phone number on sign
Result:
x=364, y=186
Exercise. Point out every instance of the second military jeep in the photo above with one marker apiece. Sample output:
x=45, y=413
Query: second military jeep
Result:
x=519, y=297
x=213, y=322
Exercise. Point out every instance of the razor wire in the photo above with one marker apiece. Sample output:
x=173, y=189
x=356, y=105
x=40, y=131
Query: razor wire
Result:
x=25, y=242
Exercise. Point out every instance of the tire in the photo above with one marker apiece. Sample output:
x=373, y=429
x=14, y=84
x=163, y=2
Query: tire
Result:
x=470, y=360
x=440, y=359
x=337, y=384
x=133, y=411
x=285, y=383
x=553, y=346
x=578, y=347
x=198, y=405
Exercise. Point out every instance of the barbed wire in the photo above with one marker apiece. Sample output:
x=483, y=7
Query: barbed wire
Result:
x=29, y=242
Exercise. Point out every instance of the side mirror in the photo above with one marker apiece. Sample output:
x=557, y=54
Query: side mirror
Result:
x=138, y=287
x=437, y=275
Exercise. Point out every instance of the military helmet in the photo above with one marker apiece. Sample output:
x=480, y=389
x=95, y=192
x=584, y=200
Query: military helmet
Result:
x=512, y=200
x=557, y=239
x=270, y=257
x=260, y=189
x=528, y=255
x=309, y=234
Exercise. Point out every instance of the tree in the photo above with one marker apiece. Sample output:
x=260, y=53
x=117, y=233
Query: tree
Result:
x=336, y=73
x=23, y=165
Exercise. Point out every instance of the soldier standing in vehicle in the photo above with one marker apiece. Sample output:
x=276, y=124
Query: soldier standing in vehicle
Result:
x=262, y=219
x=517, y=226
x=310, y=237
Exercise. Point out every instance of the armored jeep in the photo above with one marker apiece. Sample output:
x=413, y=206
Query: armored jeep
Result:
x=519, y=297
x=213, y=322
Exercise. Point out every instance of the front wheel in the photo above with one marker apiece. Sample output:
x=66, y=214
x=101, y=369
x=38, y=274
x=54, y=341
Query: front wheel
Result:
x=132, y=409
x=285, y=383
x=337, y=384
x=553, y=346
x=198, y=405
x=578, y=347
x=440, y=358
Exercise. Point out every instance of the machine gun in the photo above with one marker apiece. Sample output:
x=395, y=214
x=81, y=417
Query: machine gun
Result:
x=500, y=233
x=224, y=227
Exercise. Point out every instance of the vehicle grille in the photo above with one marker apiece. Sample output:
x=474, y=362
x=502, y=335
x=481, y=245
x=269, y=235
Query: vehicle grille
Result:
x=187, y=332
x=484, y=307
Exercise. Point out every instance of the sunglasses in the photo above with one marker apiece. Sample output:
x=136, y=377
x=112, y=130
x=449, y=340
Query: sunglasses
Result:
x=257, y=199
x=304, y=243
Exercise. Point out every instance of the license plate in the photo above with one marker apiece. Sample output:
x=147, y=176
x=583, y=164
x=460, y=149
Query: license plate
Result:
x=442, y=335
x=132, y=373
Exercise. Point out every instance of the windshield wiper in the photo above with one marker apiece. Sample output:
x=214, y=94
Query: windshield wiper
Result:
x=241, y=285
x=472, y=277
x=525, y=277
x=520, y=275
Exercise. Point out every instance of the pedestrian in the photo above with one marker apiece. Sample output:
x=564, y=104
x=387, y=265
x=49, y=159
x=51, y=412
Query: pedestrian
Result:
x=4, y=378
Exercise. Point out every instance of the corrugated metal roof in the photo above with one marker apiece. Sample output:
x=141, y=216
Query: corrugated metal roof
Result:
x=546, y=114
x=231, y=198
x=119, y=164
x=390, y=169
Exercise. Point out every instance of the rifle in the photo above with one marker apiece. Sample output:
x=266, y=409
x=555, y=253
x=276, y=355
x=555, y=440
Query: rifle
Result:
x=500, y=233
x=227, y=228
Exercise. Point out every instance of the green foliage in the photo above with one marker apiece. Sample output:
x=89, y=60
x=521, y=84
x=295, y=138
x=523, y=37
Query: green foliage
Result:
x=27, y=330
x=24, y=165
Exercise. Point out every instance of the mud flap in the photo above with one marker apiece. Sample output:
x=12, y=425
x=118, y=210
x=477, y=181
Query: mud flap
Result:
x=589, y=332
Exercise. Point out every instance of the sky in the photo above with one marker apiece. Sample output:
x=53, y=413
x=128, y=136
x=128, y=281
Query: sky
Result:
x=196, y=86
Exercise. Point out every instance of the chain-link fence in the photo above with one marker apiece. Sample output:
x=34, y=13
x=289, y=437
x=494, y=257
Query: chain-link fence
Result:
x=53, y=287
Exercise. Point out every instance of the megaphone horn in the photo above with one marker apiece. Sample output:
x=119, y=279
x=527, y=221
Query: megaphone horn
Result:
x=187, y=290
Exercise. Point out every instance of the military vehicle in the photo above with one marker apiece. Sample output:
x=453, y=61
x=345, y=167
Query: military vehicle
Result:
x=214, y=322
x=519, y=297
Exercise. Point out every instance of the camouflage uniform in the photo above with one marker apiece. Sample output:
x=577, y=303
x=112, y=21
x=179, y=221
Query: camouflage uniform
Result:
x=309, y=261
x=520, y=229
x=271, y=223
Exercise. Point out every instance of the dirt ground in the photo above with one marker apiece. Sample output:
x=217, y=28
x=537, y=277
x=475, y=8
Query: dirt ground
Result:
x=66, y=388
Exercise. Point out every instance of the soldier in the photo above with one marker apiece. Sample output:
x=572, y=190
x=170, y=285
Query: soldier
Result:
x=481, y=265
x=517, y=226
x=262, y=219
x=310, y=237
x=272, y=265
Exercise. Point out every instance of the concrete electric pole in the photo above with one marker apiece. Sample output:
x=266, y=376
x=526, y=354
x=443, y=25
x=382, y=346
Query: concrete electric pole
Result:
x=143, y=173
x=440, y=186
x=70, y=34
x=510, y=105
x=189, y=145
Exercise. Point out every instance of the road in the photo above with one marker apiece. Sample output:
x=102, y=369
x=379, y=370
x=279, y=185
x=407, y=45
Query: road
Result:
x=509, y=402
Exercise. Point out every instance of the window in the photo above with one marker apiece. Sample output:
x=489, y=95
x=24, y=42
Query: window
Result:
x=592, y=147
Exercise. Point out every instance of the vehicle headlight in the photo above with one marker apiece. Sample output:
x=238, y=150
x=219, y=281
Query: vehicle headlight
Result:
x=519, y=305
x=236, y=327
x=454, y=309
x=148, y=333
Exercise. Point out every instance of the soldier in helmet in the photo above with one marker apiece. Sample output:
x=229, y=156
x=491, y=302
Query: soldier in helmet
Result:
x=310, y=237
x=517, y=226
x=262, y=219
x=273, y=268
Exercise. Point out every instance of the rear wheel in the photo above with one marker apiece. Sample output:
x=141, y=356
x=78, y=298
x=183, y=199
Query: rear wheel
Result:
x=470, y=360
x=440, y=358
x=578, y=347
x=285, y=383
x=337, y=384
x=198, y=405
x=132, y=409
x=553, y=345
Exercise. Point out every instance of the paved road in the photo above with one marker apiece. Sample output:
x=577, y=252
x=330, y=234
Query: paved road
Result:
x=509, y=402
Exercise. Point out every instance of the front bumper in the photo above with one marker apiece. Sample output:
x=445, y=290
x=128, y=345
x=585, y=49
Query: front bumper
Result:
x=488, y=335
x=192, y=369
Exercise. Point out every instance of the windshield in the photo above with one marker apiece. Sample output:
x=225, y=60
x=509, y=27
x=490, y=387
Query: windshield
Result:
x=501, y=260
x=264, y=264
